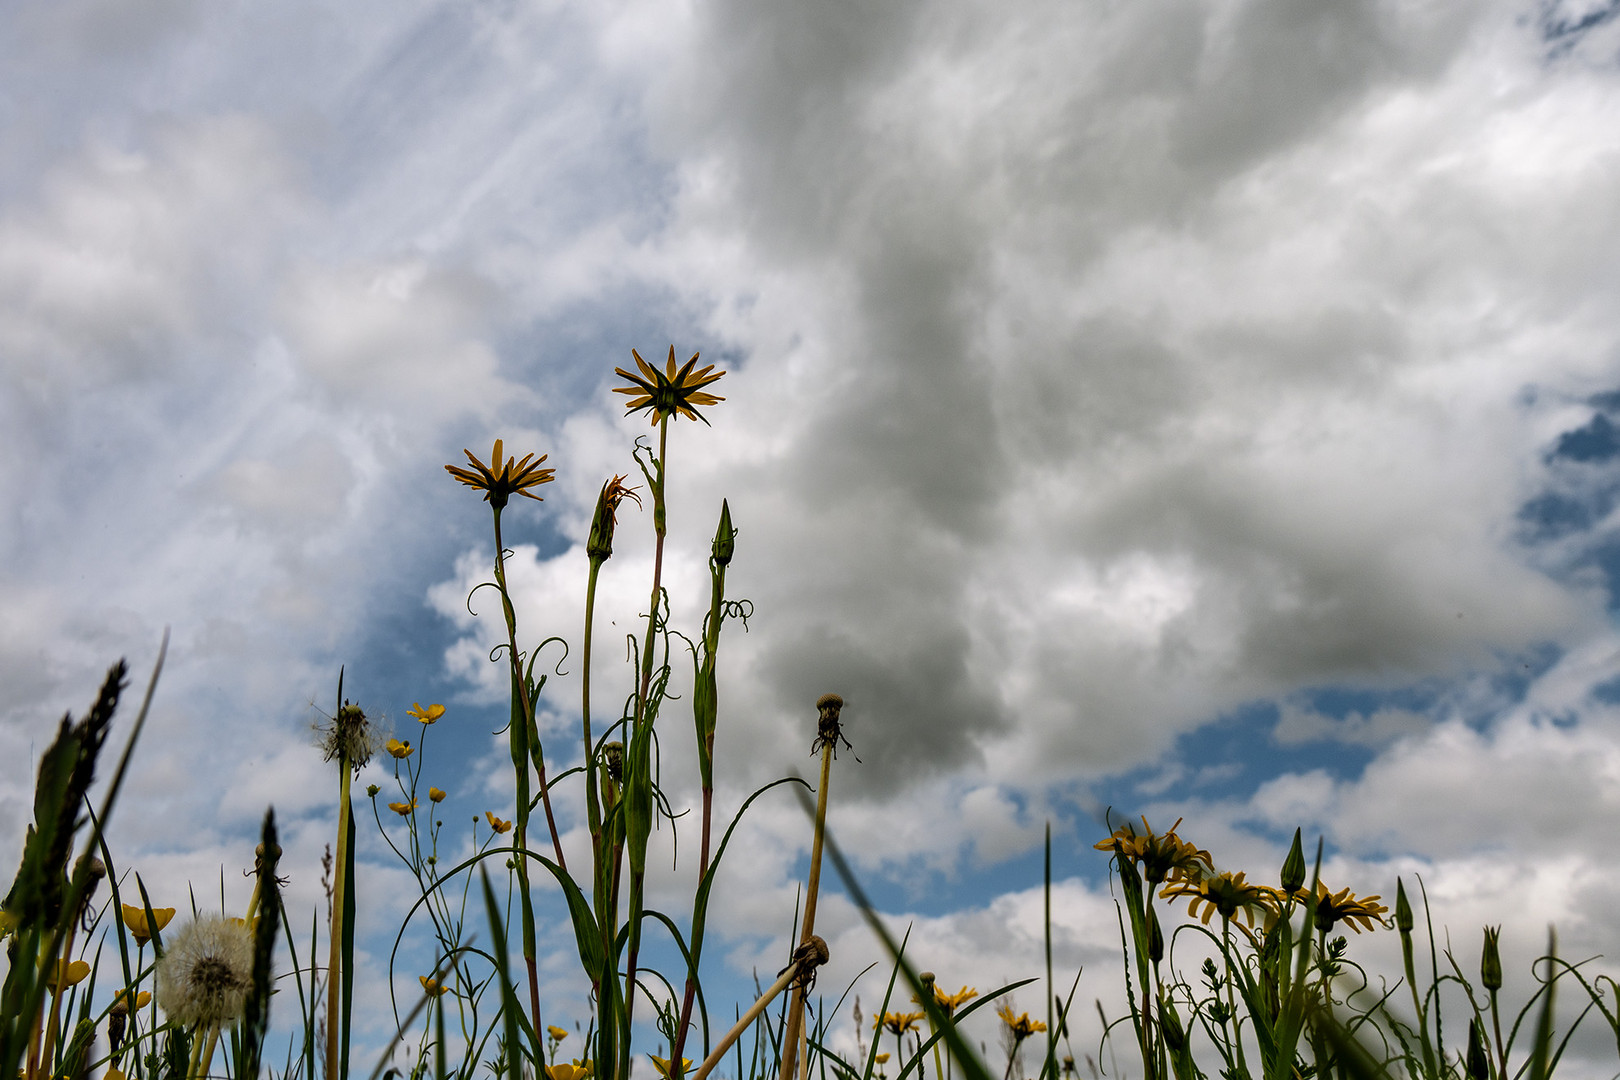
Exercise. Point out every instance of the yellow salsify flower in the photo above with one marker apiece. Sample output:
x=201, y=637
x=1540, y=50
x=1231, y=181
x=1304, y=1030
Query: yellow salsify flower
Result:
x=428, y=715
x=1021, y=1026
x=1225, y=893
x=403, y=809
x=662, y=1065
x=577, y=1071
x=135, y=920
x=497, y=824
x=898, y=1023
x=435, y=794
x=668, y=392
x=1161, y=857
x=432, y=987
x=400, y=749
x=949, y=1003
x=500, y=482
x=67, y=973
x=557, y=1034
x=1342, y=906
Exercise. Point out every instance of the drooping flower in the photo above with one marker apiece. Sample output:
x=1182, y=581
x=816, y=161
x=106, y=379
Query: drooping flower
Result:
x=400, y=750
x=403, y=809
x=67, y=973
x=497, y=824
x=1342, y=906
x=428, y=715
x=432, y=987
x=668, y=392
x=662, y=1065
x=898, y=1023
x=577, y=1071
x=1021, y=1026
x=599, y=545
x=1226, y=893
x=435, y=794
x=135, y=920
x=500, y=482
x=1161, y=857
x=205, y=975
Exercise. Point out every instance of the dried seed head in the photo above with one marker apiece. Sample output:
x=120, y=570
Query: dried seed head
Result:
x=205, y=974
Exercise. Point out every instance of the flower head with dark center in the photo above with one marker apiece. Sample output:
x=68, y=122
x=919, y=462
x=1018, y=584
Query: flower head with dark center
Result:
x=497, y=824
x=668, y=392
x=499, y=481
x=204, y=976
x=949, y=1003
x=1225, y=893
x=898, y=1023
x=1161, y=857
x=1020, y=1025
x=1332, y=908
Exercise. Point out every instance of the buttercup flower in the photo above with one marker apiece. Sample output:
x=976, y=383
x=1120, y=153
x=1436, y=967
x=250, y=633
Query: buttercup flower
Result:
x=1226, y=893
x=435, y=794
x=432, y=987
x=898, y=1023
x=500, y=482
x=403, y=809
x=662, y=1065
x=121, y=1006
x=497, y=824
x=668, y=392
x=204, y=976
x=399, y=749
x=428, y=715
x=135, y=920
x=577, y=1071
x=1341, y=906
x=67, y=973
x=1021, y=1026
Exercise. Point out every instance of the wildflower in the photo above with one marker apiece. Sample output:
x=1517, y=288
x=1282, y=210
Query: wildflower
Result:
x=500, y=482
x=135, y=920
x=372, y=789
x=497, y=824
x=577, y=1071
x=557, y=1034
x=121, y=1006
x=883, y=1058
x=1337, y=907
x=428, y=715
x=432, y=987
x=204, y=976
x=662, y=1065
x=668, y=392
x=898, y=1023
x=949, y=1003
x=1162, y=857
x=349, y=736
x=399, y=749
x=66, y=974
x=606, y=518
x=113, y=1073
x=1021, y=1026
x=435, y=794
x=403, y=809
x=1226, y=893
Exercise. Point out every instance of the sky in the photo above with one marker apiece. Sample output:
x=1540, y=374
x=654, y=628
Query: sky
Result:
x=1198, y=410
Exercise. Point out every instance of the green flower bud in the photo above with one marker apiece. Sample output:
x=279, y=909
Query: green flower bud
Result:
x=1155, y=937
x=1479, y=1066
x=1403, y=909
x=1490, y=961
x=599, y=546
x=1293, y=868
x=725, y=537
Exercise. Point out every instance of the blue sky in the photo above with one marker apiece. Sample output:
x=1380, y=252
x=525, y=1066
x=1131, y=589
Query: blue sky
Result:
x=1199, y=410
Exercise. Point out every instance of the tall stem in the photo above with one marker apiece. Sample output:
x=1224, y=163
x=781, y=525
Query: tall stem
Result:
x=795, y=1038
x=340, y=884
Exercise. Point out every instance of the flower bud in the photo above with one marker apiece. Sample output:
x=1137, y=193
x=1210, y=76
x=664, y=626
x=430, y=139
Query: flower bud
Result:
x=1490, y=961
x=1293, y=868
x=725, y=537
x=1155, y=937
x=1479, y=1067
x=1403, y=909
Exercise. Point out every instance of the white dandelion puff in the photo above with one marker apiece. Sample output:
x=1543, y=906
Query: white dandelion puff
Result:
x=205, y=974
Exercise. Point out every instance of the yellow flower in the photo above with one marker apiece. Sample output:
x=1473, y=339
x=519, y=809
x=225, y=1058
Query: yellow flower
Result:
x=427, y=715
x=112, y=1073
x=1343, y=907
x=577, y=1071
x=557, y=1034
x=497, y=824
x=135, y=919
x=951, y=1002
x=898, y=1023
x=403, y=809
x=669, y=392
x=432, y=987
x=1021, y=1026
x=1226, y=893
x=8, y=923
x=400, y=749
x=500, y=482
x=883, y=1058
x=1161, y=857
x=662, y=1065
x=66, y=974
x=121, y=1006
x=435, y=794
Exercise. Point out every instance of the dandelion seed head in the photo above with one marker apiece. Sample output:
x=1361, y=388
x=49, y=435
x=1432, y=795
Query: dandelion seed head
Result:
x=204, y=976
